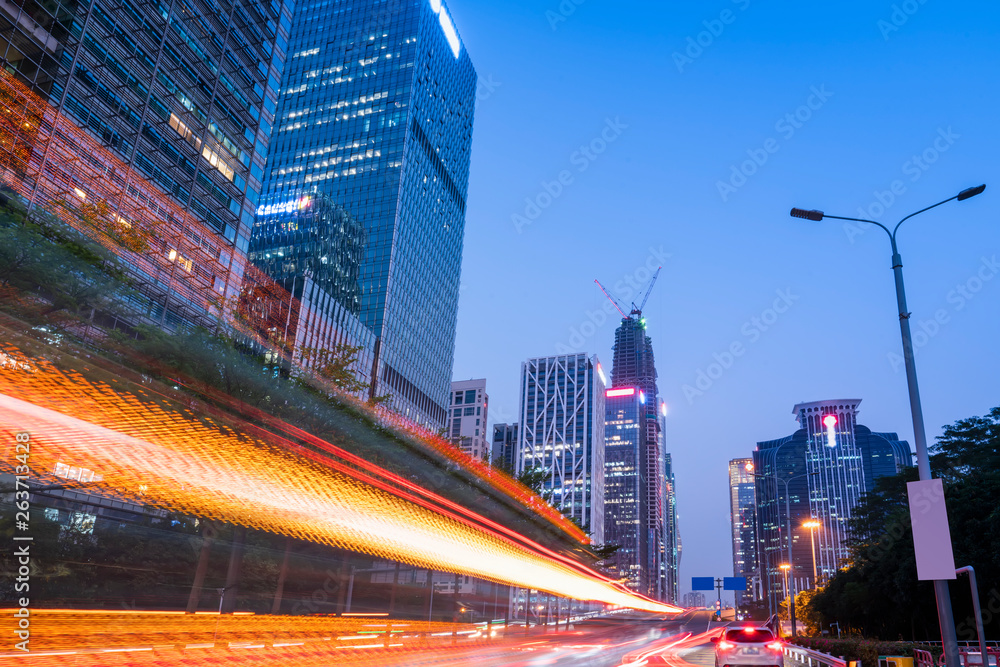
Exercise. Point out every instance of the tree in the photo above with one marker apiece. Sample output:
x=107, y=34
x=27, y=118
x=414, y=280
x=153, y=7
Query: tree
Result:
x=534, y=478
x=877, y=592
x=606, y=551
x=100, y=217
x=50, y=272
x=336, y=365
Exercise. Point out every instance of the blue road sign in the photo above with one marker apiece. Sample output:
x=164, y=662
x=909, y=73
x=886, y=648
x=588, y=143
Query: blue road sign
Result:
x=734, y=583
x=702, y=583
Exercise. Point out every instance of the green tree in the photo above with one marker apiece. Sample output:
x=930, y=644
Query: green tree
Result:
x=534, y=478
x=50, y=273
x=606, y=551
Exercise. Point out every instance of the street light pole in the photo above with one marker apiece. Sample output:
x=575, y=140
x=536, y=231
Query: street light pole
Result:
x=788, y=525
x=786, y=568
x=945, y=617
x=812, y=525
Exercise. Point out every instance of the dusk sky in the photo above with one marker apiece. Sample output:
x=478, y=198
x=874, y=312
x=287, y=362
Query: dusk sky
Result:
x=717, y=118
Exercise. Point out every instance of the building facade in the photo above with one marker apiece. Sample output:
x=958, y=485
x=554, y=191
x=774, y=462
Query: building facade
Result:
x=624, y=502
x=672, y=536
x=636, y=493
x=694, y=600
x=376, y=113
x=828, y=464
x=561, y=430
x=157, y=117
x=743, y=518
x=504, y=451
x=467, y=414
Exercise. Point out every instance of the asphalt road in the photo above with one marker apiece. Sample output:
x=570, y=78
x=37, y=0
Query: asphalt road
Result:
x=610, y=642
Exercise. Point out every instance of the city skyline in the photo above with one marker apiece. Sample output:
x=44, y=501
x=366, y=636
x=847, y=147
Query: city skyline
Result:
x=794, y=294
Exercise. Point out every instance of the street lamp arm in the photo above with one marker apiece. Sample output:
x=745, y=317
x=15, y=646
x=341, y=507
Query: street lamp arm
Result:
x=884, y=228
x=896, y=228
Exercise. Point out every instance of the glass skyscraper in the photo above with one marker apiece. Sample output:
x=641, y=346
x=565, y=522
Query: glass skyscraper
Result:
x=743, y=516
x=672, y=536
x=829, y=463
x=160, y=114
x=375, y=114
x=637, y=495
x=624, y=477
x=561, y=430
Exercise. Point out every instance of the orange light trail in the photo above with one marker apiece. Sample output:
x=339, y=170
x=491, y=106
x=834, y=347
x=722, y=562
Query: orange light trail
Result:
x=101, y=637
x=175, y=460
x=46, y=156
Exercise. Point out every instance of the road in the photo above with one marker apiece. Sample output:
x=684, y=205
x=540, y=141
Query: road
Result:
x=625, y=639
x=609, y=642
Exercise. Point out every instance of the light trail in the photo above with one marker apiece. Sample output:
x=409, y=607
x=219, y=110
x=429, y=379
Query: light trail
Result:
x=174, y=460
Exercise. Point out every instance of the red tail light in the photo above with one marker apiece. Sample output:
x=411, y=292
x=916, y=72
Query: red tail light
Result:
x=724, y=645
x=775, y=646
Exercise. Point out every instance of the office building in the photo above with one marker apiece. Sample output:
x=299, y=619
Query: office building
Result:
x=694, y=600
x=743, y=518
x=636, y=495
x=672, y=537
x=828, y=464
x=467, y=413
x=375, y=115
x=157, y=117
x=504, y=451
x=628, y=473
x=561, y=430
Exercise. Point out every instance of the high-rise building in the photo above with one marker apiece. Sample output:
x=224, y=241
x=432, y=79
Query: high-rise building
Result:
x=504, y=451
x=743, y=517
x=828, y=464
x=561, y=430
x=157, y=117
x=624, y=502
x=636, y=493
x=694, y=599
x=467, y=414
x=671, y=540
x=375, y=115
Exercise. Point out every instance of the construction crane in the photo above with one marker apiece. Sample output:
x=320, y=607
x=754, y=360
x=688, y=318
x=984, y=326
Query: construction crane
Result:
x=614, y=301
x=652, y=281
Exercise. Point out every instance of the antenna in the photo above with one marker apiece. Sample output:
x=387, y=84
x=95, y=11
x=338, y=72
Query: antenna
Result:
x=652, y=281
x=613, y=300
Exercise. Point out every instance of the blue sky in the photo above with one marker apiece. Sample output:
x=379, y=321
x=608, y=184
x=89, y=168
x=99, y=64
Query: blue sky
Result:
x=717, y=118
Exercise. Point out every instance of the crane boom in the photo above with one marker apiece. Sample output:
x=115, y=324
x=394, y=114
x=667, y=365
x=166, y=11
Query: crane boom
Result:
x=611, y=299
x=649, y=289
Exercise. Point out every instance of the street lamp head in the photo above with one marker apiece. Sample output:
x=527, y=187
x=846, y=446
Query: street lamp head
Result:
x=812, y=523
x=971, y=192
x=785, y=566
x=813, y=214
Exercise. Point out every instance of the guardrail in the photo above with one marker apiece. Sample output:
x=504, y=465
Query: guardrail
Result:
x=969, y=656
x=923, y=658
x=811, y=658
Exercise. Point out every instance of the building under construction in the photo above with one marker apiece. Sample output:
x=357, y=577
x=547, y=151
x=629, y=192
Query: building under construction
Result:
x=639, y=504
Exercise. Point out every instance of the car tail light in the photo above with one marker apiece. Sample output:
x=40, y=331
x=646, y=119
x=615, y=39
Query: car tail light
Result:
x=775, y=646
x=724, y=645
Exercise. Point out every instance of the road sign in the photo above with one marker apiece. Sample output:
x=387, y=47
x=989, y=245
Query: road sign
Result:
x=734, y=583
x=702, y=584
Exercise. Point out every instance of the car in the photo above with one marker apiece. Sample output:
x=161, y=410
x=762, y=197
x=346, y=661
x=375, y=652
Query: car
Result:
x=749, y=645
